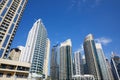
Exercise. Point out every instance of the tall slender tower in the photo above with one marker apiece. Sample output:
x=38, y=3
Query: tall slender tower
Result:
x=102, y=63
x=91, y=57
x=35, y=48
x=78, y=63
x=46, y=58
x=115, y=64
x=65, y=71
x=109, y=69
x=54, y=66
x=10, y=14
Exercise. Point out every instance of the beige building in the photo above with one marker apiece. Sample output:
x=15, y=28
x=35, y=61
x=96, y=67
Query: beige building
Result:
x=15, y=54
x=13, y=70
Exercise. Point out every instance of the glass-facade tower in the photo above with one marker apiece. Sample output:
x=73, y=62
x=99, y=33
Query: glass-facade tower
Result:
x=105, y=75
x=10, y=14
x=65, y=70
x=115, y=64
x=54, y=66
x=91, y=57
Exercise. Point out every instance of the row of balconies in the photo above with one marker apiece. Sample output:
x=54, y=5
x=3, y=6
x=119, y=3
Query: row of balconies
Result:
x=13, y=67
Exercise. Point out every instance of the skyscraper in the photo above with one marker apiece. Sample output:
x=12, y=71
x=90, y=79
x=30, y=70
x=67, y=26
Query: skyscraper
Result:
x=105, y=75
x=91, y=57
x=78, y=63
x=46, y=58
x=109, y=69
x=65, y=70
x=85, y=71
x=54, y=66
x=10, y=14
x=35, y=48
x=115, y=64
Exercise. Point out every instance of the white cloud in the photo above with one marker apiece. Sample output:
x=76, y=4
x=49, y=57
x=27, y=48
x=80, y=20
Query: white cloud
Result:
x=81, y=49
x=103, y=40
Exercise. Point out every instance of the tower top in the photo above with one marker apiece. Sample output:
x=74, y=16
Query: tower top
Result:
x=66, y=43
x=89, y=37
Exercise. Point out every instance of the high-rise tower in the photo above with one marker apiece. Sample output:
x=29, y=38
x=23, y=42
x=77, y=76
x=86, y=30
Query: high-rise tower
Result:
x=10, y=14
x=46, y=58
x=115, y=64
x=65, y=70
x=91, y=57
x=35, y=49
x=105, y=75
x=78, y=63
x=54, y=66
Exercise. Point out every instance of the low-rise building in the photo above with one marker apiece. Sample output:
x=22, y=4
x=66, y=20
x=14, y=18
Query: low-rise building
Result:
x=13, y=70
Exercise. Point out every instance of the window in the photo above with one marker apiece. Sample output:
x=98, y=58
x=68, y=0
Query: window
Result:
x=3, y=13
x=1, y=74
x=8, y=75
x=15, y=17
x=19, y=9
x=6, y=41
x=11, y=28
x=1, y=52
x=0, y=19
x=9, y=2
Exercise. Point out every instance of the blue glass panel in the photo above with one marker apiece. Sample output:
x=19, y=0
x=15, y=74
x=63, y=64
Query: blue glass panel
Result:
x=0, y=19
x=19, y=9
x=6, y=40
x=15, y=18
x=9, y=2
x=1, y=52
x=22, y=2
x=4, y=11
x=11, y=28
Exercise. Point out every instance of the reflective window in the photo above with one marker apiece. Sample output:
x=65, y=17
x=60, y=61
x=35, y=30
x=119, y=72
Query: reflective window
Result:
x=0, y=19
x=6, y=40
x=9, y=2
x=1, y=52
x=4, y=11
x=15, y=18
x=22, y=2
x=19, y=9
x=11, y=28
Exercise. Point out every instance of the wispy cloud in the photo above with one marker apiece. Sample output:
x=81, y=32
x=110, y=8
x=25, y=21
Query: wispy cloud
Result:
x=83, y=3
x=81, y=49
x=103, y=40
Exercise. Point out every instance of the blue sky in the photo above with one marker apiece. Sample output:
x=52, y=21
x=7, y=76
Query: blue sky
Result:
x=74, y=19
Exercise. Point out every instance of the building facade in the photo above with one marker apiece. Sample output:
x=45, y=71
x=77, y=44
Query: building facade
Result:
x=46, y=58
x=83, y=77
x=115, y=64
x=13, y=70
x=91, y=57
x=10, y=14
x=15, y=54
x=22, y=48
x=109, y=69
x=78, y=65
x=54, y=66
x=102, y=62
x=65, y=68
x=35, y=48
